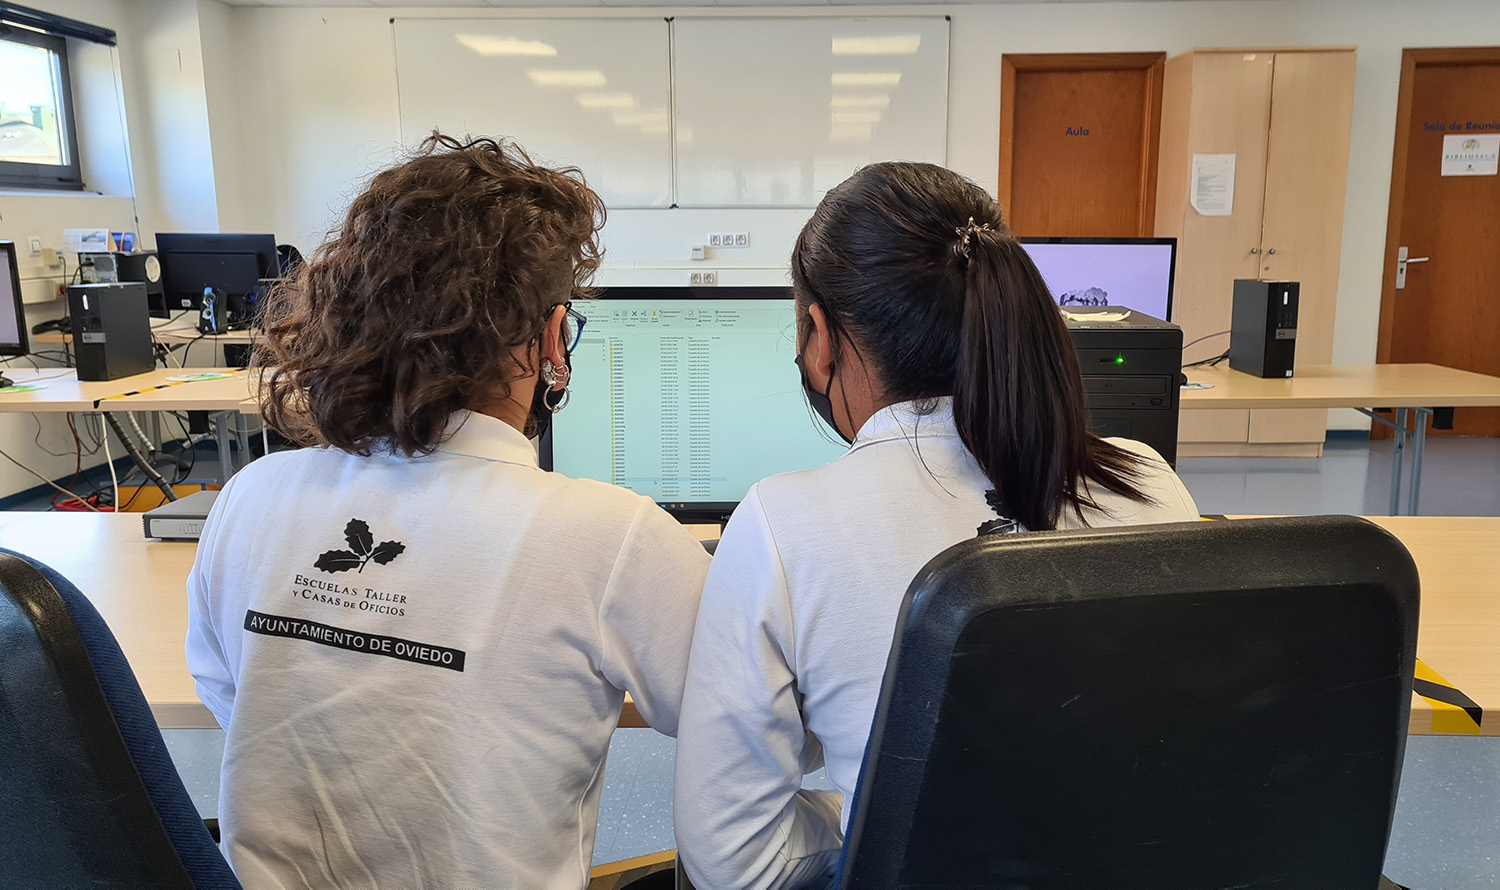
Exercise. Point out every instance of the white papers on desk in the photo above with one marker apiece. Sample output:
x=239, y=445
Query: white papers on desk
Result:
x=1212, y=190
x=1120, y=315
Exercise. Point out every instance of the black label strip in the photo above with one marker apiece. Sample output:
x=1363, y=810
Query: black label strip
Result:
x=353, y=640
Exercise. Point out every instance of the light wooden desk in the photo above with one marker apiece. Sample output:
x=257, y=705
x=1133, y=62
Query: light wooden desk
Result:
x=139, y=588
x=153, y=391
x=176, y=332
x=1406, y=388
x=1458, y=643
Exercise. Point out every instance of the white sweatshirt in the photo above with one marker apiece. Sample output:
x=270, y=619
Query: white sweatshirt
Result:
x=419, y=662
x=795, y=628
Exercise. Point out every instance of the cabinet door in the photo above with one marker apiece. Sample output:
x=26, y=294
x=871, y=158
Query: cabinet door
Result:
x=1312, y=99
x=1230, y=114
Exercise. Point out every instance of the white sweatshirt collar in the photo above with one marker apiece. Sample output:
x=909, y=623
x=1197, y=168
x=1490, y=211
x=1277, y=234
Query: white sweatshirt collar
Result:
x=488, y=438
x=906, y=420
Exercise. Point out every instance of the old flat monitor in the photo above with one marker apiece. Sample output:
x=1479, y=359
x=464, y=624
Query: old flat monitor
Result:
x=235, y=264
x=688, y=396
x=1130, y=273
x=12, y=312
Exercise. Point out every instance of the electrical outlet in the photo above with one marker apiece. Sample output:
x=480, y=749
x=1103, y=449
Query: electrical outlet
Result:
x=710, y=278
x=36, y=245
x=696, y=278
x=729, y=239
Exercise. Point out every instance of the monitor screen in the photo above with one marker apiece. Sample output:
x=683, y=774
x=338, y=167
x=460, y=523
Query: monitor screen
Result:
x=689, y=401
x=12, y=312
x=1134, y=273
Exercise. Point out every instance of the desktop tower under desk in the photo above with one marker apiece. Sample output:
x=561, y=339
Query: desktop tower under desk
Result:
x=1132, y=371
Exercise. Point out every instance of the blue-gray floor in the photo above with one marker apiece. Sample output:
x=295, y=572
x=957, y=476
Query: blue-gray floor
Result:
x=1460, y=477
x=1447, y=829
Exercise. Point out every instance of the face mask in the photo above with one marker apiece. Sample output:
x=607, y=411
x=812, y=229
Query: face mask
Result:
x=820, y=401
x=541, y=411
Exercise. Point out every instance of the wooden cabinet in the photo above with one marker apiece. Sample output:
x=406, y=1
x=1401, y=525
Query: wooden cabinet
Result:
x=1284, y=115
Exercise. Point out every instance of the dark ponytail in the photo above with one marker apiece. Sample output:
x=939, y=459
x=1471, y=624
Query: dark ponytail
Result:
x=913, y=264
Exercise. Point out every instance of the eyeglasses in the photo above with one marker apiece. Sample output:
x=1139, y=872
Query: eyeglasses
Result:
x=572, y=327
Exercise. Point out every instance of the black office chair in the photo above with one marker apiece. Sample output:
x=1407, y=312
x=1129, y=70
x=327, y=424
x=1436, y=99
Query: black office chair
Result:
x=88, y=793
x=1194, y=706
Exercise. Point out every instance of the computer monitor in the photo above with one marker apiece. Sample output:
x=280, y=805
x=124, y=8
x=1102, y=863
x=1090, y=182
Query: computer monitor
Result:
x=12, y=312
x=688, y=396
x=235, y=264
x=1134, y=273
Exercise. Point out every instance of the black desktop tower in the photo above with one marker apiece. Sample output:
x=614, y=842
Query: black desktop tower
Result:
x=111, y=330
x=110, y=268
x=1263, y=328
x=1132, y=372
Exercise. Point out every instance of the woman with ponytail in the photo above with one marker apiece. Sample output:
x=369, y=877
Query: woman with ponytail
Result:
x=929, y=341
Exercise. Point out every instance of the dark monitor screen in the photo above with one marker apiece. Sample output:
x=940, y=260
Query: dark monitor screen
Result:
x=687, y=396
x=12, y=312
x=1132, y=273
x=234, y=264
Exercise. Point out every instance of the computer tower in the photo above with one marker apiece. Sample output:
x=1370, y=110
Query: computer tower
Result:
x=1263, y=328
x=109, y=268
x=1132, y=369
x=111, y=330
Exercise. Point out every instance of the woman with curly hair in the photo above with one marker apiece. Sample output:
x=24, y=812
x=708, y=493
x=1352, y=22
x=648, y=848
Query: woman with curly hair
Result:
x=417, y=641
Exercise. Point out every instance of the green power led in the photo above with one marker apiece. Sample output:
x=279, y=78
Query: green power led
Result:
x=1119, y=359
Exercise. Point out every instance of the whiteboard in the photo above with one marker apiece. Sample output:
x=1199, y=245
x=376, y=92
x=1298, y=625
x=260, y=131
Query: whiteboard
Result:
x=774, y=112
x=589, y=93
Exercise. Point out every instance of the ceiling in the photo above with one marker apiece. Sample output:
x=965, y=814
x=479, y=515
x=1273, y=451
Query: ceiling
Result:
x=540, y=4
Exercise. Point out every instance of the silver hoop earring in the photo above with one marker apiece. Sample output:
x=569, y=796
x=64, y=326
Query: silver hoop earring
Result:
x=551, y=373
x=562, y=401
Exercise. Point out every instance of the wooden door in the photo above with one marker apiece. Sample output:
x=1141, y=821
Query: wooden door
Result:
x=1448, y=313
x=1215, y=103
x=1302, y=227
x=1078, y=143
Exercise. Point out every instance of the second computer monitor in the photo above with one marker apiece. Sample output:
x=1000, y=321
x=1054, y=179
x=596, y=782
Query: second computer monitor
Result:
x=235, y=264
x=1131, y=273
x=12, y=312
x=687, y=397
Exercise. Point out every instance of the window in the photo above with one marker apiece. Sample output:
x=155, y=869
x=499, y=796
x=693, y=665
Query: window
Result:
x=38, y=146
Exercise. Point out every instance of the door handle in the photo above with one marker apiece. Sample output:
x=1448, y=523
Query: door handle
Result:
x=1403, y=259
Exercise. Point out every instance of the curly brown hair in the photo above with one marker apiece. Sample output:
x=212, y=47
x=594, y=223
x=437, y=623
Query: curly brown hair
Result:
x=425, y=300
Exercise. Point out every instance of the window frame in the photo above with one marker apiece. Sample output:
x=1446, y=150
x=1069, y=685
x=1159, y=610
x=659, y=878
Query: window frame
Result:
x=19, y=176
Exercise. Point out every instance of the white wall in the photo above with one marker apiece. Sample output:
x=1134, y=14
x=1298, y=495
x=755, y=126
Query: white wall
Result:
x=166, y=97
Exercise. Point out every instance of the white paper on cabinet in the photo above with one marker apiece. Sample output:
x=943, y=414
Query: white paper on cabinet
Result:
x=1212, y=190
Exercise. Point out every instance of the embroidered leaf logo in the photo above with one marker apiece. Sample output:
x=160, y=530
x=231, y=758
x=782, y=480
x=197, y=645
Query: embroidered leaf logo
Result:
x=362, y=549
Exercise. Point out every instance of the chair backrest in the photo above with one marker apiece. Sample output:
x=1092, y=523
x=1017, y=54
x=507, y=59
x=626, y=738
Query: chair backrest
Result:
x=1191, y=706
x=88, y=792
